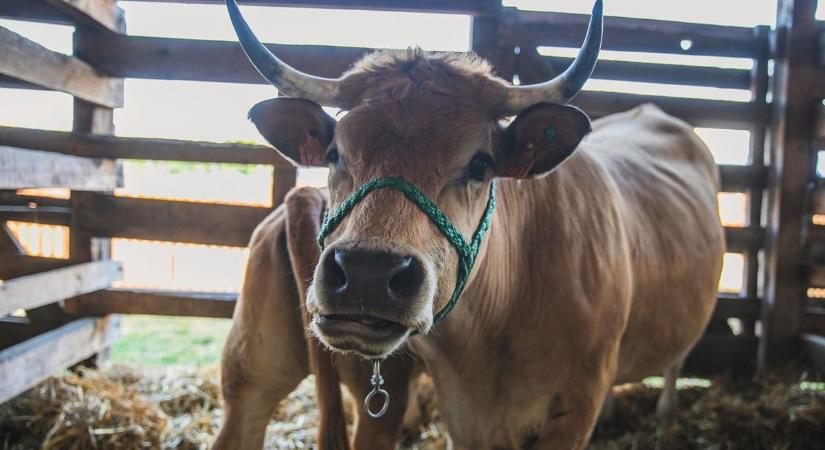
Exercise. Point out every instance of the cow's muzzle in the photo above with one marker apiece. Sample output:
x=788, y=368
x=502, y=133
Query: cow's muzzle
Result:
x=367, y=300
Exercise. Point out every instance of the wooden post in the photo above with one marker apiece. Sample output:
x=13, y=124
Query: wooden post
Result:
x=791, y=168
x=91, y=119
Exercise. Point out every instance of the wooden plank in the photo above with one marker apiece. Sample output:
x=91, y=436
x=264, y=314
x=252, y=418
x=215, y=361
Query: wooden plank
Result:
x=16, y=266
x=732, y=306
x=28, y=61
x=791, y=165
x=28, y=363
x=49, y=287
x=815, y=348
x=715, y=354
x=202, y=60
x=284, y=181
x=103, y=215
x=99, y=14
x=151, y=302
x=714, y=113
x=470, y=7
x=8, y=243
x=529, y=29
x=739, y=178
x=656, y=73
x=21, y=168
x=739, y=240
x=34, y=11
x=106, y=146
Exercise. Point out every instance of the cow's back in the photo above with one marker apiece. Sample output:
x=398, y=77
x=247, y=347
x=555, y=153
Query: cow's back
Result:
x=668, y=183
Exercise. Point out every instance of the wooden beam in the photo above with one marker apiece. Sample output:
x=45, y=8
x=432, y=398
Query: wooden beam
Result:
x=698, y=112
x=470, y=7
x=28, y=61
x=8, y=243
x=20, y=168
x=28, y=363
x=33, y=11
x=654, y=73
x=163, y=303
x=99, y=14
x=102, y=215
x=791, y=168
x=49, y=287
x=16, y=266
x=530, y=29
x=739, y=240
x=106, y=146
x=732, y=306
x=202, y=60
x=739, y=178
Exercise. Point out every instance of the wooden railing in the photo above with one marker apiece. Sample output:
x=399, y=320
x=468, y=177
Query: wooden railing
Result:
x=104, y=55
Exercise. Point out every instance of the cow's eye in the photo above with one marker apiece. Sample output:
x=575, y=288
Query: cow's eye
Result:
x=332, y=156
x=478, y=166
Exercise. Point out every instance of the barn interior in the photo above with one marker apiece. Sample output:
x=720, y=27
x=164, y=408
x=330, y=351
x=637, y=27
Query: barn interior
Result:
x=131, y=181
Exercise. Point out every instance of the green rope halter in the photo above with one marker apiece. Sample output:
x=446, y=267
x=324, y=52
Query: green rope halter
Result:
x=467, y=252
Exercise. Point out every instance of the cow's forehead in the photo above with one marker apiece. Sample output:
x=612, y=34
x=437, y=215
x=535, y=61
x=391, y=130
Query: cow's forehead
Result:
x=413, y=135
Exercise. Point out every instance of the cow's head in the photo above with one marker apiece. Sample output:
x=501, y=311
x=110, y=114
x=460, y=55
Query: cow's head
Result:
x=434, y=120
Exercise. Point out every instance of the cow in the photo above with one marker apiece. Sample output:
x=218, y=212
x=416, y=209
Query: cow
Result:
x=527, y=258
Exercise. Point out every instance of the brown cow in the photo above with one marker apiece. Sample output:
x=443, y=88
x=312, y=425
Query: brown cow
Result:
x=596, y=271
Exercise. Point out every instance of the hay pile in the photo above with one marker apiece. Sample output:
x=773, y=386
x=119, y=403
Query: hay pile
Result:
x=123, y=408
x=768, y=412
x=120, y=408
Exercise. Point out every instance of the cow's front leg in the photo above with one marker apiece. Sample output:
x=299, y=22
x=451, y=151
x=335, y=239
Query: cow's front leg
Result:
x=381, y=433
x=265, y=355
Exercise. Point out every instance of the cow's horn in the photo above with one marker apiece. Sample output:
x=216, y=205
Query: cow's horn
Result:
x=564, y=87
x=289, y=81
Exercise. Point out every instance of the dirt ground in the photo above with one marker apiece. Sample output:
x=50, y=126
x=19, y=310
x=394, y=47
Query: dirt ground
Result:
x=121, y=407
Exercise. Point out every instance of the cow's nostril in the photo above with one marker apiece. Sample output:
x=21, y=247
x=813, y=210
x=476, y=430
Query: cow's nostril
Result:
x=336, y=276
x=406, y=278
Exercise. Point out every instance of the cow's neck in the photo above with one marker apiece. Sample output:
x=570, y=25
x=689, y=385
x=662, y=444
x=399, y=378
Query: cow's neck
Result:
x=501, y=336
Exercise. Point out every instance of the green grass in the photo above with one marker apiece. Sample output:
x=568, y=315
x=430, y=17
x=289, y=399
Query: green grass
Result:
x=170, y=341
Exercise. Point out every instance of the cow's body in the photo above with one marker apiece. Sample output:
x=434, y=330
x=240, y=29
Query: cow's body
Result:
x=603, y=271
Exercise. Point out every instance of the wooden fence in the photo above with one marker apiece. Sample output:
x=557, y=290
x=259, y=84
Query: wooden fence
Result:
x=69, y=302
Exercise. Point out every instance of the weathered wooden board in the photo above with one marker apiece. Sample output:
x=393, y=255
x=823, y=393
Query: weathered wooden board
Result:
x=739, y=240
x=48, y=287
x=102, y=215
x=106, y=146
x=698, y=112
x=32, y=10
x=655, y=73
x=32, y=361
x=739, y=178
x=16, y=266
x=28, y=61
x=472, y=7
x=528, y=28
x=163, y=303
x=22, y=168
x=203, y=60
x=101, y=14
x=791, y=166
x=731, y=306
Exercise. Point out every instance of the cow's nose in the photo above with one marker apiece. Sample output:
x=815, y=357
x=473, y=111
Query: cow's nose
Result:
x=372, y=279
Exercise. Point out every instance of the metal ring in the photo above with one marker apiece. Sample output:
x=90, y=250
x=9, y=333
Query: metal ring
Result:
x=386, y=405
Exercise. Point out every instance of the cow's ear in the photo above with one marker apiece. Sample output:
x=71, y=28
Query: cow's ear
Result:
x=540, y=139
x=299, y=129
